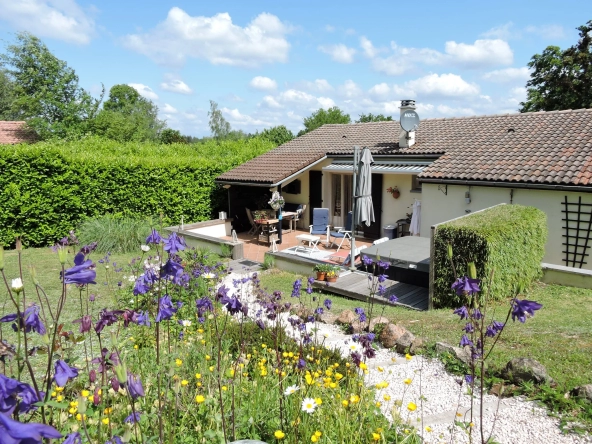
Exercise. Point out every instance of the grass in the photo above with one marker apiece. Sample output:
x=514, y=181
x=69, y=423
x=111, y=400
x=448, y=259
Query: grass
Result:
x=115, y=234
x=559, y=336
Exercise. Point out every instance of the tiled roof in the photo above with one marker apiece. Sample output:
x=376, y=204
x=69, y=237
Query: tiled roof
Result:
x=543, y=147
x=16, y=132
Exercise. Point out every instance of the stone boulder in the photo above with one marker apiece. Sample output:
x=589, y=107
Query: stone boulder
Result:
x=302, y=311
x=327, y=318
x=377, y=321
x=346, y=317
x=358, y=327
x=416, y=346
x=395, y=336
x=521, y=370
x=462, y=354
x=584, y=391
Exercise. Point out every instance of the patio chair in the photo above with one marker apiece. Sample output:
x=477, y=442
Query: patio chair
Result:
x=343, y=233
x=299, y=214
x=320, y=222
x=255, y=227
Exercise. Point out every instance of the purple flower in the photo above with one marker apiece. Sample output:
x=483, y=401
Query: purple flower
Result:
x=462, y=312
x=81, y=273
x=222, y=292
x=154, y=238
x=381, y=290
x=63, y=372
x=141, y=287
x=356, y=358
x=134, y=386
x=311, y=280
x=465, y=341
x=174, y=244
x=328, y=303
x=30, y=318
x=319, y=311
x=301, y=364
x=260, y=324
x=172, y=270
x=88, y=249
x=523, y=309
x=469, y=379
x=8, y=390
x=392, y=298
x=143, y=318
x=384, y=265
x=166, y=310
x=73, y=438
x=382, y=278
x=116, y=440
x=106, y=318
x=30, y=433
x=85, y=323
x=476, y=314
x=366, y=260
x=28, y=397
x=232, y=304
x=465, y=285
x=296, y=288
x=469, y=328
x=360, y=312
x=133, y=418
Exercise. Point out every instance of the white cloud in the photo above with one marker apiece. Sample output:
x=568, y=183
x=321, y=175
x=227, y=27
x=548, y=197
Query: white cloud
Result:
x=144, y=90
x=216, y=39
x=446, y=110
x=349, y=90
x=235, y=117
x=550, y=32
x=444, y=85
x=380, y=90
x=504, y=32
x=404, y=59
x=481, y=53
x=169, y=109
x=57, y=19
x=319, y=85
x=175, y=85
x=507, y=75
x=368, y=47
x=270, y=102
x=517, y=95
x=339, y=53
x=296, y=99
x=326, y=102
x=263, y=83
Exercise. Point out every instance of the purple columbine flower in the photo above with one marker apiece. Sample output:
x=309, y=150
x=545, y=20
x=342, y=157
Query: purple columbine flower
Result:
x=301, y=364
x=73, y=438
x=360, y=312
x=462, y=312
x=476, y=314
x=30, y=433
x=356, y=358
x=8, y=390
x=133, y=418
x=260, y=324
x=88, y=249
x=392, y=298
x=366, y=260
x=173, y=270
x=384, y=265
x=141, y=287
x=222, y=292
x=106, y=318
x=327, y=304
x=63, y=372
x=143, y=318
x=204, y=304
x=166, y=310
x=469, y=379
x=296, y=288
x=28, y=397
x=465, y=285
x=469, y=328
x=154, y=237
x=381, y=290
x=116, y=440
x=523, y=309
x=134, y=386
x=382, y=278
x=85, y=323
x=232, y=304
x=30, y=319
x=311, y=280
x=174, y=243
x=465, y=341
x=82, y=273
x=319, y=311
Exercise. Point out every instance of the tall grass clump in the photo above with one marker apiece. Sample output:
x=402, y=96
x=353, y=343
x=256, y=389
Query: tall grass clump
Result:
x=115, y=234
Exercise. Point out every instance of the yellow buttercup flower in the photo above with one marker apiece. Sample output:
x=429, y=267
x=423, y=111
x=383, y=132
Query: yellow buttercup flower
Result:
x=199, y=399
x=184, y=382
x=411, y=407
x=178, y=362
x=318, y=434
x=279, y=434
x=208, y=357
x=198, y=376
x=407, y=381
x=319, y=401
x=85, y=393
x=386, y=397
x=380, y=369
x=408, y=357
x=428, y=429
x=345, y=403
x=375, y=436
x=105, y=421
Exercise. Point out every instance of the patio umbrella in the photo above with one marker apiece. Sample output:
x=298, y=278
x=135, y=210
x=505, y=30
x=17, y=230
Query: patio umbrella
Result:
x=364, y=207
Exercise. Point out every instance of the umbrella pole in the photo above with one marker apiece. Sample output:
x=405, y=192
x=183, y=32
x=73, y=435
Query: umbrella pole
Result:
x=352, y=265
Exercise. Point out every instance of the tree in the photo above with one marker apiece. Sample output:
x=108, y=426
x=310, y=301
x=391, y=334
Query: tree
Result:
x=126, y=116
x=365, y=118
x=6, y=97
x=46, y=90
x=561, y=79
x=168, y=136
x=322, y=117
x=219, y=127
x=277, y=134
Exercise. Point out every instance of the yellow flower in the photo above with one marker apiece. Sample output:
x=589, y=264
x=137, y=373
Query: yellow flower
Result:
x=345, y=403
x=224, y=388
x=319, y=401
x=411, y=407
x=85, y=393
x=333, y=385
x=380, y=369
x=59, y=398
x=317, y=433
x=212, y=368
x=264, y=346
x=105, y=421
x=108, y=411
x=199, y=399
x=408, y=357
x=53, y=394
x=72, y=410
x=375, y=436
x=378, y=404
x=363, y=366
x=78, y=417
x=136, y=346
x=208, y=357
x=73, y=403
x=314, y=438
x=407, y=381
x=338, y=376
x=279, y=434
x=198, y=376
x=386, y=397
x=354, y=399
x=178, y=362
x=428, y=429
x=184, y=382
x=200, y=330
x=59, y=389
x=382, y=385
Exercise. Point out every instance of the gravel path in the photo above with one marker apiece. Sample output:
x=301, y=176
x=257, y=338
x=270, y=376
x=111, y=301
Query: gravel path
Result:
x=440, y=399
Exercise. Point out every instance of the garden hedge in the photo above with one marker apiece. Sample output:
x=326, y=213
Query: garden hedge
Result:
x=507, y=239
x=48, y=188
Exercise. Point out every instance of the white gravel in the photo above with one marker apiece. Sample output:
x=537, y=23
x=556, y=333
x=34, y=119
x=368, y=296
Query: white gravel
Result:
x=441, y=400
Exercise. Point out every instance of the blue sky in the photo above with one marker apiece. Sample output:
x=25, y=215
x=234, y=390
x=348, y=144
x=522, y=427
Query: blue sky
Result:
x=268, y=63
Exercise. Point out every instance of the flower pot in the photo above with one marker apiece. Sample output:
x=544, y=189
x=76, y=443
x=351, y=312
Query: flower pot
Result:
x=396, y=194
x=321, y=275
x=332, y=279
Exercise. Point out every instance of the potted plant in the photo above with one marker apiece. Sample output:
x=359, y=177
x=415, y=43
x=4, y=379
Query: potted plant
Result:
x=322, y=270
x=394, y=191
x=333, y=274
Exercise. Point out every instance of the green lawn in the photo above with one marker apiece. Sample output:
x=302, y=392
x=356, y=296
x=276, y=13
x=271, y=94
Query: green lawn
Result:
x=559, y=336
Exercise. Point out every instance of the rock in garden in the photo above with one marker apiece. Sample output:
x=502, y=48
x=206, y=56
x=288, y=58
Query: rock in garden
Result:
x=416, y=346
x=403, y=342
x=377, y=321
x=302, y=311
x=358, y=327
x=346, y=317
x=520, y=370
x=584, y=391
x=463, y=355
x=327, y=318
x=390, y=334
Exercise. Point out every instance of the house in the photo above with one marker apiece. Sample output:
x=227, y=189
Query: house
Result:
x=454, y=166
x=13, y=132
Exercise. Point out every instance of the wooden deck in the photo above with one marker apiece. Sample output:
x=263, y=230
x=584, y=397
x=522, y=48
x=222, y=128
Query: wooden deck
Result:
x=355, y=285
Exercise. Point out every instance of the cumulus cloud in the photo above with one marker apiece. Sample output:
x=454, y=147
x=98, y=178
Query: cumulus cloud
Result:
x=444, y=85
x=368, y=47
x=349, y=90
x=504, y=32
x=263, y=83
x=235, y=117
x=169, y=109
x=216, y=39
x=507, y=75
x=175, y=85
x=339, y=53
x=144, y=91
x=296, y=99
x=57, y=19
x=318, y=85
x=481, y=53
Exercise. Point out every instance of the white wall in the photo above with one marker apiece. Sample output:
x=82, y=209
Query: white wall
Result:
x=395, y=209
x=437, y=208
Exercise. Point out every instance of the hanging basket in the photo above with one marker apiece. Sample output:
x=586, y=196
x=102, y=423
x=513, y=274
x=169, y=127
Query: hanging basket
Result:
x=396, y=194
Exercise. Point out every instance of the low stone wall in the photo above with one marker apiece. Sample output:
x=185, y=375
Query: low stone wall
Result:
x=294, y=263
x=208, y=234
x=562, y=275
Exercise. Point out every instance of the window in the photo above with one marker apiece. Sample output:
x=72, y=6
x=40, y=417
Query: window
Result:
x=415, y=184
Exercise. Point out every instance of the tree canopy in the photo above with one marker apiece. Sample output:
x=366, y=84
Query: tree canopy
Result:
x=365, y=118
x=277, y=134
x=6, y=97
x=322, y=117
x=219, y=126
x=561, y=79
x=45, y=89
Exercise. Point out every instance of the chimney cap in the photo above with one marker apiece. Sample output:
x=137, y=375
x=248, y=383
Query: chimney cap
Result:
x=410, y=103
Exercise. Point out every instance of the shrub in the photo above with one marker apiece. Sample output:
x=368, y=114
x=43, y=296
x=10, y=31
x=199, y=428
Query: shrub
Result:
x=507, y=239
x=115, y=234
x=49, y=188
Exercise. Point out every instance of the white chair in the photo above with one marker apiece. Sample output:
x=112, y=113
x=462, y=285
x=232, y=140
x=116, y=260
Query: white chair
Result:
x=343, y=233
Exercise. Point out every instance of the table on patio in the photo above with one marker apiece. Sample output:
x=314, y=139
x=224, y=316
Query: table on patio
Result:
x=268, y=230
x=291, y=217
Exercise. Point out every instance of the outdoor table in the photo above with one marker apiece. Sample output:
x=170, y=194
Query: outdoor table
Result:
x=312, y=242
x=290, y=216
x=268, y=229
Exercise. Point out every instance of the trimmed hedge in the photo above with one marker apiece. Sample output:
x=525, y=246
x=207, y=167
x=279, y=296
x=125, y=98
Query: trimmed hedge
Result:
x=509, y=239
x=49, y=188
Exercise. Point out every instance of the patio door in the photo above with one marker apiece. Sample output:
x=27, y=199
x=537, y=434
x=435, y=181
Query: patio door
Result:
x=341, y=198
x=373, y=231
x=315, y=196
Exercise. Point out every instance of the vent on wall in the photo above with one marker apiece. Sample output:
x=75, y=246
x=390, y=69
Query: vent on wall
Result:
x=293, y=187
x=577, y=224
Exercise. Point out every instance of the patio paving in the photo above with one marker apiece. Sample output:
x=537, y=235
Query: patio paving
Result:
x=255, y=251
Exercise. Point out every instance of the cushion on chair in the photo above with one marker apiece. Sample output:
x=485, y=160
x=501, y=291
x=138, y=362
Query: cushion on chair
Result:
x=320, y=220
x=337, y=234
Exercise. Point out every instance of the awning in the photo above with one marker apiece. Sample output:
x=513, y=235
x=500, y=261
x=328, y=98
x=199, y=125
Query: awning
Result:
x=380, y=167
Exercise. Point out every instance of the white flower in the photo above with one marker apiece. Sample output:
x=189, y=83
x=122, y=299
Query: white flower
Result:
x=186, y=323
x=308, y=405
x=144, y=248
x=209, y=275
x=354, y=347
x=17, y=285
x=291, y=389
